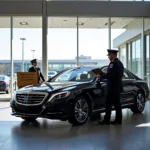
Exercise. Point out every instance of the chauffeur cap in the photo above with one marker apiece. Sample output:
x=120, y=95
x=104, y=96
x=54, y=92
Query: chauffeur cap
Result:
x=114, y=51
x=33, y=61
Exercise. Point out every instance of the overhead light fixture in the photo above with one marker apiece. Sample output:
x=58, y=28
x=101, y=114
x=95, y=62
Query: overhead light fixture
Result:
x=111, y=23
x=23, y=23
x=80, y=23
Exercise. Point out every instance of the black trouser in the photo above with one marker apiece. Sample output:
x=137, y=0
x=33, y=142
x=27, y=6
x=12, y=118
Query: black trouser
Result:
x=113, y=98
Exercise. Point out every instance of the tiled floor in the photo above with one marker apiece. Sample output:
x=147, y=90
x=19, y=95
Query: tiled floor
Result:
x=43, y=134
x=4, y=97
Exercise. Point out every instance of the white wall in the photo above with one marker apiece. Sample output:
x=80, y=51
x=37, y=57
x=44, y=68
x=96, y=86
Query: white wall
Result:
x=133, y=29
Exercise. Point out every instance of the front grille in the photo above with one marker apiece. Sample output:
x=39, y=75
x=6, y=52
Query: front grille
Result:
x=30, y=98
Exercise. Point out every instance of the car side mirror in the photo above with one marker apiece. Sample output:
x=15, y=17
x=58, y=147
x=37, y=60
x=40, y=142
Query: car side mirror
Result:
x=49, y=80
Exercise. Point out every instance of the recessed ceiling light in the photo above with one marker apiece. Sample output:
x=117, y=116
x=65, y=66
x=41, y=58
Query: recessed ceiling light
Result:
x=80, y=23
x=23, y=23
x=111, y=23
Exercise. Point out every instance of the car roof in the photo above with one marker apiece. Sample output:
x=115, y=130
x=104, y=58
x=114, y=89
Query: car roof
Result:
x=89, y=67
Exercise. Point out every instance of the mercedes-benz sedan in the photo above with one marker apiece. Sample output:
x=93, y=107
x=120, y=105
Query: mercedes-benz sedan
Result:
x=75, y=95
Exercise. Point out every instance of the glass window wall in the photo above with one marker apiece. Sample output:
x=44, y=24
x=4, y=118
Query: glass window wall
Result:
x=93, y=41
x=129, y=62
x=62, y=43
x=123, y=55
x=136, y=58
x=147, y=60
x=5, y=69
x=27, y=41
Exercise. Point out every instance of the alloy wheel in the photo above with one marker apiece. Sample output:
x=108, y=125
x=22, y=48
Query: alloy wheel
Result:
x=140, y=102
x=81, y=110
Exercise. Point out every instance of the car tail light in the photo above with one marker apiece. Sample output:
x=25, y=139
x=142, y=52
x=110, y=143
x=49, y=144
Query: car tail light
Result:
x=3, y=82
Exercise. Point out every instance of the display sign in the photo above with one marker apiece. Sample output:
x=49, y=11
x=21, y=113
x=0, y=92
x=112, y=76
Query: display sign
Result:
x=26, y=78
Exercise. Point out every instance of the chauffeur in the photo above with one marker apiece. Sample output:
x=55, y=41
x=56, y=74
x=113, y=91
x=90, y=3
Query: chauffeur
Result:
x=113, y=88
x=34, y=68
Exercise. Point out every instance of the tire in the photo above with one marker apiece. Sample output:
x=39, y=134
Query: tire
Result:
x=63, y=119
x=29, y=118
x=139, y=104
x=80, y=111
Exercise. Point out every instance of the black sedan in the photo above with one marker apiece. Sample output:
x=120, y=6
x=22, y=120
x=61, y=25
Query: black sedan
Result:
x=75, y=95
x=4, y=84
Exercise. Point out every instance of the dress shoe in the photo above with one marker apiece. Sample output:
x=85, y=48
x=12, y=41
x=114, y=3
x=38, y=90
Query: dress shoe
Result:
x=104, y=122
x=115, y=122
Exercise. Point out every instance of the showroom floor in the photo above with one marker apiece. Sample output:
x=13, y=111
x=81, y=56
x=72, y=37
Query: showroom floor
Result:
x=16, y=134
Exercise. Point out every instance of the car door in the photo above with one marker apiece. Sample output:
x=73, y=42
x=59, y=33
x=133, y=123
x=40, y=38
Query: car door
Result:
x=98, y=94
x=128, y=87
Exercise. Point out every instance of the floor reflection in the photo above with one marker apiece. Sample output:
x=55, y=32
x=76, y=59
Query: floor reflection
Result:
x=133, y=134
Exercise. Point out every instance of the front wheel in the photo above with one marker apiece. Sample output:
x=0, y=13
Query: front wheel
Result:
x=139, y=104
x=29, y=118
x=80, y=111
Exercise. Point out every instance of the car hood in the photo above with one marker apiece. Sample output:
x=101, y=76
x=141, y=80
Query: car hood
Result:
x=49, y=86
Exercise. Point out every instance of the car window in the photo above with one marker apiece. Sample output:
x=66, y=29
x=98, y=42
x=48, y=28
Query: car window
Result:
x=105, y=69
x=77, y=75
x=127, y=76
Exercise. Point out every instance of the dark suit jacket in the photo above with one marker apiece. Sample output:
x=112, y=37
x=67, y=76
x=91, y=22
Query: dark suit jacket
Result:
x=40, y=75
x=114, y=75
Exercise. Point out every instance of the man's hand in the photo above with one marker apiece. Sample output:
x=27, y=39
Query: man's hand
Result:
x=98, y=76
x=101, y=72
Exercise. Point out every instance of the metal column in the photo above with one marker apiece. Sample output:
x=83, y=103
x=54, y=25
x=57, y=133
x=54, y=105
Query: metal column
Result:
x=109, y=32
x=131, y=56
x=149, y=62
x=22, y=55
x=44, y=42
x=11, y=54
x=127, y=54
x=143, y=50
x=77, y=41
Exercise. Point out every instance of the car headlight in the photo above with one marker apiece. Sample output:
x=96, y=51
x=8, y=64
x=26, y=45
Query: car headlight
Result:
x=59, y=96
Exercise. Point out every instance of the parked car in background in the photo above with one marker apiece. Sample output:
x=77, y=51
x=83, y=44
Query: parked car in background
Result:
x=51, y=74
x=75, y=95
x=5, y=83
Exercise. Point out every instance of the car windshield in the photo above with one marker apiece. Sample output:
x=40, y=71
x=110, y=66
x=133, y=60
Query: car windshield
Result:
x=2, y=78
x=75, y=75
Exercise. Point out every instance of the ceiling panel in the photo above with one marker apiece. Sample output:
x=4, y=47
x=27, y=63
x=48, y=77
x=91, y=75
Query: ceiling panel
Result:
x=65, y=22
